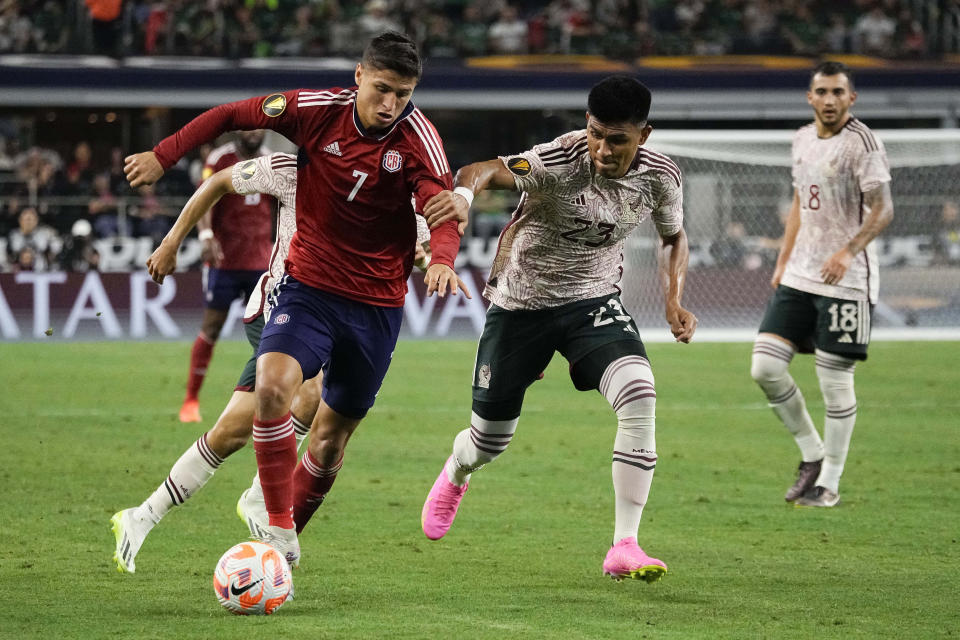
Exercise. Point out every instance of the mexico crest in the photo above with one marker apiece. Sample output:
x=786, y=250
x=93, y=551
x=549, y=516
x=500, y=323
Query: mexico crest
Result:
x=392, y=161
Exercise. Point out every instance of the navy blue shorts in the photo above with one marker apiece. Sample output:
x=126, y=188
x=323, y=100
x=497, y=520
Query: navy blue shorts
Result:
x=352, y=342
x=222, y=286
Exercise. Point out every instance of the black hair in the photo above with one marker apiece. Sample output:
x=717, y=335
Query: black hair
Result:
x=832, y=68
x=393, y=51
x=619, y=99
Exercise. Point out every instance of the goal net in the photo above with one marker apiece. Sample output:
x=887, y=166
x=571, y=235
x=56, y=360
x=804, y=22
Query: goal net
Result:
x=737, y=192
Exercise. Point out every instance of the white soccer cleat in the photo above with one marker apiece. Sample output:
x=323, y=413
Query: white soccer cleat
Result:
x=285, y=541
x=130, y=532
x=253, y=511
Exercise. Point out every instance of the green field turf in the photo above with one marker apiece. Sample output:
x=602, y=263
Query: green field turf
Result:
x=88, y=429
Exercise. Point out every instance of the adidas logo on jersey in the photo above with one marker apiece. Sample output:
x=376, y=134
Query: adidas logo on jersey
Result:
x=334, y=148
x=845, y=338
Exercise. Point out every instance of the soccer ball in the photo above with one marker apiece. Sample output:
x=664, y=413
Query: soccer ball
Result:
x=252, y=578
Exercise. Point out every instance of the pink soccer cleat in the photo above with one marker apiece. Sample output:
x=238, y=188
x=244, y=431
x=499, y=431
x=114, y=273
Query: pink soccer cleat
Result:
x=627, y=560
x=441, y=506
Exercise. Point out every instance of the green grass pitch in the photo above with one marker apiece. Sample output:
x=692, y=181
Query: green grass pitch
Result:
x=88, y=429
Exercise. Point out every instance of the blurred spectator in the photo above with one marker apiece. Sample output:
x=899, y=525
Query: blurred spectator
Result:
x=103, y=209
x=802, y=31
x=25, y=260
x=836, y=38
x=78, y=253
x=243, y=34
x=910, y=36
x=873, y=33
x=37, y=168
x=149, y=217
x=471, y=33
x=50, y=27
x=118, y=181
x=105, y=23
x=302, y=37
x=30, y=245
x=508, y=35
x=375, y=20
x=16, y=30
x=730, y=250
x=439, y=41
x=946, y=235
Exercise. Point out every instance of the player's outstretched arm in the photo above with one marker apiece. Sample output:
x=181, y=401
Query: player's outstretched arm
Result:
x=469, y=181
x=673, y=256
x=790, y=231
x=276, y=111
x=163, y=261
x=880, y=203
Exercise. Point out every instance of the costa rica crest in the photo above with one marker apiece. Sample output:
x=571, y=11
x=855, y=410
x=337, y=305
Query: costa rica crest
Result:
x=392, y=161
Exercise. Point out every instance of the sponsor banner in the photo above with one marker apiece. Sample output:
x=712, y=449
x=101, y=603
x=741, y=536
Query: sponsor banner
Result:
x=130, y=306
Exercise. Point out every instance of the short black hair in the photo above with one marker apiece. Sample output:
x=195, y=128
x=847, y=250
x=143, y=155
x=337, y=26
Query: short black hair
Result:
x=619, y=99
x=393, y=51
x=832, y=68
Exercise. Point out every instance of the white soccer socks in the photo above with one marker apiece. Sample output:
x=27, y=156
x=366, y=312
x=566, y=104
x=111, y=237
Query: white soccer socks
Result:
x=628, y=386
x=836, y=382
x=187, y=476
x=478, y=445
x=769, y=369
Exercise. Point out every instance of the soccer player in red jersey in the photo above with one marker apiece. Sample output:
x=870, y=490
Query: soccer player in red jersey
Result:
x=365, y=152
x=233, y=261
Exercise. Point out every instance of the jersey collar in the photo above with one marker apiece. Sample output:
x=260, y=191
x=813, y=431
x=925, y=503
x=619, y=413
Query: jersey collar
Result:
x=386, y=132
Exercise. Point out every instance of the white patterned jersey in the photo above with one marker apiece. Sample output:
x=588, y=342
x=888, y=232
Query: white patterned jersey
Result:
x=276, y=175
x=564, y=242
x=830, y=176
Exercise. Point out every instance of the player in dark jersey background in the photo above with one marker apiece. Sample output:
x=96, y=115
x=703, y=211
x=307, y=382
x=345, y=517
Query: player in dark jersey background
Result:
x=365, y=153
x=233, y=261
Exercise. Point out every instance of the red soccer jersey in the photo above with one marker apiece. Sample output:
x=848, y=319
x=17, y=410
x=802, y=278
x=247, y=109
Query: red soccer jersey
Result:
x=241, y=224
x=355, y=219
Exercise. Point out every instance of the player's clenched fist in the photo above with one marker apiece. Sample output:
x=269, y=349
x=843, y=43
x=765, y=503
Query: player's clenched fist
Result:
x=162, y=262
x=142, y=168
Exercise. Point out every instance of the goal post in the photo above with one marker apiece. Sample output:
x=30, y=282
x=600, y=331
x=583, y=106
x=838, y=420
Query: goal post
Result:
x=737, y=192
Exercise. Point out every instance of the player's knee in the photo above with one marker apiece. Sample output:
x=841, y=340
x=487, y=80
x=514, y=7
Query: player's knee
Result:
x=835, y=374
x=229, y=436
x=637, y=416
x=771, y=357
x=326, y=451
x=273, y=398
x=766, y=369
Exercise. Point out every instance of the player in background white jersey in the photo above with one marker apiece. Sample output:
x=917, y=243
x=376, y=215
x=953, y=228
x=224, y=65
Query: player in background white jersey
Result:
x=554, y=287
x=826, y=279
x=274, y=175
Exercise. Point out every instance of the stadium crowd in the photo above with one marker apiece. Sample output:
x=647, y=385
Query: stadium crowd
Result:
x=52, y=208
x=622, y=29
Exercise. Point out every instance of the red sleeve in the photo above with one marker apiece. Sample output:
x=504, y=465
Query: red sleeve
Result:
x=445, y=239
x=445, y=243
x=430, y=175
x=277, y=111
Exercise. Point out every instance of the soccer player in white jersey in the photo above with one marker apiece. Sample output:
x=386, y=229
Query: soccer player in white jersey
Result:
x=554, y=287
x=826, y=280
x=274, y=175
